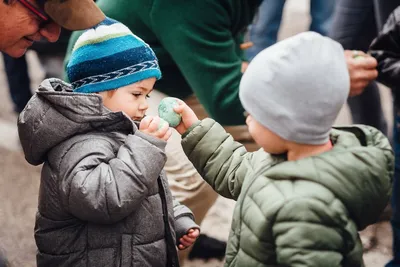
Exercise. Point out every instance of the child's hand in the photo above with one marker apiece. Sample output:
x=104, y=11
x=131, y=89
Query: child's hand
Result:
x=188, y=239
x=149, y=125
x=188, y=117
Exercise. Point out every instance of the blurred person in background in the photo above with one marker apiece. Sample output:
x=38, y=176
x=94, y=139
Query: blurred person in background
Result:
x=264, y=30
x=199, y=47
x=24, y=22
x=355, y=24
x=386, y=49
x=50, y=55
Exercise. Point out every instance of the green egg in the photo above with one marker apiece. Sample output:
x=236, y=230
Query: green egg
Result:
x=161, y=124
x=166, y=111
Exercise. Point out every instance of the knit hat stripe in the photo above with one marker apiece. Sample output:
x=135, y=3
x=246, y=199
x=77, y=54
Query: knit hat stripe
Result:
x=101, y=39
x=120, y=81
x=101, y=33
x=104, y=49
x=109, y=56
x=108, y=64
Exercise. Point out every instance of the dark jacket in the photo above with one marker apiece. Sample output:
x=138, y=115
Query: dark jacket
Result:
x=386, y=49
x=303, y=213
x=197, y=44
x=104, y=198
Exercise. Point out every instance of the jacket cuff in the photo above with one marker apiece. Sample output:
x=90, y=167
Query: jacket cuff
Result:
x=194, y=125
x=161, y=144
x=182, y=226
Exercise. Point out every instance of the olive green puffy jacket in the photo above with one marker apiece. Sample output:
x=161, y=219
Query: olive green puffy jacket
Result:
x=297, y=213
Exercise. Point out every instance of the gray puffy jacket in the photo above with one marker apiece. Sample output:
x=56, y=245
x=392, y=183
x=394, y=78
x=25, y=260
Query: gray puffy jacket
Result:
x=104, y=198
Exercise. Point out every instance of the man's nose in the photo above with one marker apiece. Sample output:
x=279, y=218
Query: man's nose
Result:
x=51, y=32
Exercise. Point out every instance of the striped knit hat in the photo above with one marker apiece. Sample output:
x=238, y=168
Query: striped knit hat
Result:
x=109, y=56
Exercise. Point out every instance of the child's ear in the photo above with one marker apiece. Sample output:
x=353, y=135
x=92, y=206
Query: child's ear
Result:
x=110, y=93
x=107, y=94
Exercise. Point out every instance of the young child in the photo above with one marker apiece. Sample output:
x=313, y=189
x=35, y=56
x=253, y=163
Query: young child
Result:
x=104, y=198
x=303, y=197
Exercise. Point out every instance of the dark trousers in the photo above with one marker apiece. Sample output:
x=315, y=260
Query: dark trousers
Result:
x=355, y=24
x=18, y=81
x=18, y=76
x=395, y=221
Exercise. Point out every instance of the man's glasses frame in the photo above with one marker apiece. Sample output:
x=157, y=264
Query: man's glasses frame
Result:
x=38, y=12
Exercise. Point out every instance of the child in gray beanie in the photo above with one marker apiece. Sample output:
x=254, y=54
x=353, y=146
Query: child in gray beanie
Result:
x=303, y=197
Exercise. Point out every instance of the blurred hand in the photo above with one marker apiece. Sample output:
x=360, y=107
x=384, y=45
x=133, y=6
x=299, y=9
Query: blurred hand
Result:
x=149, y=125
x=188, y=239
x=245, y=64
x=362, y=70
x=188, y=117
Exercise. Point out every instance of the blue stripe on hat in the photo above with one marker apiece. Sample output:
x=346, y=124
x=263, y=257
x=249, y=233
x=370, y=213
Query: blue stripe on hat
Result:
x=109, y=64
x=105, y=49
x=120, y=82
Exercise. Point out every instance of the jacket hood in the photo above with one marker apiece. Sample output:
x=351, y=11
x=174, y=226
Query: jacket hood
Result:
x=358, y=170
x=55, y=113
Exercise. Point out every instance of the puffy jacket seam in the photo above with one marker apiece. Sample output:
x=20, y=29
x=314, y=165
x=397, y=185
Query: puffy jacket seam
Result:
x=148, y=243
x=73, y=174
x=75, y=143
x=257, y=237
x=250, y=256
x=311, y=249
x=331, y=226
x=211, y=155
x=61, y=254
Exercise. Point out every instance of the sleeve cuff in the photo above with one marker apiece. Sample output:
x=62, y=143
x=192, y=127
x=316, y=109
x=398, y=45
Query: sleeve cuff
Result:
x=183, y=225
x=194, y=125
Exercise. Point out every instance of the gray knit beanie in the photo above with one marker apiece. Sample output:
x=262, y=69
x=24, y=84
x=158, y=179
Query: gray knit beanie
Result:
x=297, y=87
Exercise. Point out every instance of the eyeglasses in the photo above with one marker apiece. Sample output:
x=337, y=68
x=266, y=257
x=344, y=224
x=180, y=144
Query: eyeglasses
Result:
x=38, y=12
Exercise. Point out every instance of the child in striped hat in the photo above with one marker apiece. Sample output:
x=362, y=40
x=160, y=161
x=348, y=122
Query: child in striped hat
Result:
x=104, y=198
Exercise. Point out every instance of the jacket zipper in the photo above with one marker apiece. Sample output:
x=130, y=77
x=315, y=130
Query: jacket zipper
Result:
x=171, y=262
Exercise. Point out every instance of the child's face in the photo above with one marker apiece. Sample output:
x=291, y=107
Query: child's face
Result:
x=268, y=140
x=131, y=99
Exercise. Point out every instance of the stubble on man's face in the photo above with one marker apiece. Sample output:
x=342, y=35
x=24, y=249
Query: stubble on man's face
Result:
x=18, y=29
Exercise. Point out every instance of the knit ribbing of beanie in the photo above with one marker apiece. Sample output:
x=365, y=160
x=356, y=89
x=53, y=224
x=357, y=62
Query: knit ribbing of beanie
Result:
x=110, y=56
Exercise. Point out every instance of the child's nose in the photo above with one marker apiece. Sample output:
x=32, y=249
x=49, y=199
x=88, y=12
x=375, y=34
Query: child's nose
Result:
x=144, y=105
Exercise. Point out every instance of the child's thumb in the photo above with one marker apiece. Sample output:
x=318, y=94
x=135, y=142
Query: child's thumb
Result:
x=179, y=108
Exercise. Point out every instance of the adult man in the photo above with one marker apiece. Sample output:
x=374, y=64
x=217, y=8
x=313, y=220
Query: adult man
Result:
x=264, y=30
x=23, y=22
x=355, y=24
x=198, y=47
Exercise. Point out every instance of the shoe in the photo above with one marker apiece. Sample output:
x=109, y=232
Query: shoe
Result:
x=206, y=248
x=3, y=260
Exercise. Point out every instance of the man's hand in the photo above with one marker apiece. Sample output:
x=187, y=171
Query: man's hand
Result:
x=188, y=239
x=245, y=64
x=362, y=70
x=150, y=125
x=188, y=117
